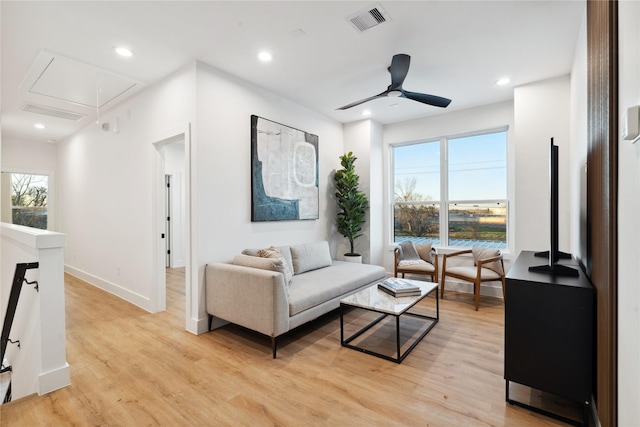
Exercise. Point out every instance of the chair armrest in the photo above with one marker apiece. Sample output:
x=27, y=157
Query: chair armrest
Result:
x=462, y=252
x=450, y=255
x=251, y=297
x=481, y=262
x=435, y=262
x=492, y=259
x=396, y=254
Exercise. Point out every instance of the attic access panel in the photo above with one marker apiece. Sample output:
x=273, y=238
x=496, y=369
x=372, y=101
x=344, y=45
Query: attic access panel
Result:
x=65, y=79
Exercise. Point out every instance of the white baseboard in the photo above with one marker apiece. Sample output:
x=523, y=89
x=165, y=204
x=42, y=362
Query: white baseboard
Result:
x=198, y=326
x=491, y=289
x=487, y=289
x=117, y=290
x=54, y=380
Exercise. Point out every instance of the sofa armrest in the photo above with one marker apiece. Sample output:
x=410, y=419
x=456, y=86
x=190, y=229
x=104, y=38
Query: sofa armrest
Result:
x=251, y=297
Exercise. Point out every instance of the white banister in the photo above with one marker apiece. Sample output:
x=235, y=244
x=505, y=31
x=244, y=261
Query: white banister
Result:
x=39, y=365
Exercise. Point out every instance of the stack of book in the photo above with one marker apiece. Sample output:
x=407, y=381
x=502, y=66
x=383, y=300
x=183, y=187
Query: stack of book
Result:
x=398, y=287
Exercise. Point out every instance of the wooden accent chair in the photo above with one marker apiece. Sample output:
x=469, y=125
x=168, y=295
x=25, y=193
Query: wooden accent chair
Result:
x=488, y=267
x=426, y=264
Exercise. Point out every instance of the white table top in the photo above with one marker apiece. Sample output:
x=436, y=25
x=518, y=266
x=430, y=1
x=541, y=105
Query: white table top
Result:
x=374, y=299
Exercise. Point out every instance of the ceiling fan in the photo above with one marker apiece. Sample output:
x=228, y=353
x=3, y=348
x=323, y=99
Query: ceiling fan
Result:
x=398, y=69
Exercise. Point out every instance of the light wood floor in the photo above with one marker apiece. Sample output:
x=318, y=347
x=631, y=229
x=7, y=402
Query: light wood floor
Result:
x=132, y=368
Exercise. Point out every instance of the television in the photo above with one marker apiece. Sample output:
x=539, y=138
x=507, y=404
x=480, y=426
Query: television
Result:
x=554, y=254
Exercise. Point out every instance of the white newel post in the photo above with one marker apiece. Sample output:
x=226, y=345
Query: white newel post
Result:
x=39, y=365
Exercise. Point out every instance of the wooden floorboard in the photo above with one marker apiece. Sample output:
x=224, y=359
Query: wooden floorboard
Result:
x=133, y=368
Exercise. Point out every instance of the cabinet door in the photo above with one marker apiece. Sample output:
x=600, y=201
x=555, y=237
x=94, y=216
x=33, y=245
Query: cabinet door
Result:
x=548, y=337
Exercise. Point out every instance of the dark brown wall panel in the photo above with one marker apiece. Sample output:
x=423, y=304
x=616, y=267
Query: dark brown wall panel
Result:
x=602, y=189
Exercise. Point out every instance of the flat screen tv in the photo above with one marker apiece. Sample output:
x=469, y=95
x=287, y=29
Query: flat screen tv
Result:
x=554, y=254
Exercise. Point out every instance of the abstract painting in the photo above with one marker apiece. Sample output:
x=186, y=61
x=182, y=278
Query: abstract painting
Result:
x=284, y=172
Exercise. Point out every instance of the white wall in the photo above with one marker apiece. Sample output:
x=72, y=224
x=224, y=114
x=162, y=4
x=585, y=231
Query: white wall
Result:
x=222, y=175
x=459, y=122
x=20, y=155
x=364, y=139
x=579, y=144
x=628, y=222
x=542, y=111
x=107, y=183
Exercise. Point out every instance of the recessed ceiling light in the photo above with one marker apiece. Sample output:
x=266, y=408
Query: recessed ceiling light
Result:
x=39, y=126
x=265, y=56
x=123, y=51
x=366, y=113
x=503, y=81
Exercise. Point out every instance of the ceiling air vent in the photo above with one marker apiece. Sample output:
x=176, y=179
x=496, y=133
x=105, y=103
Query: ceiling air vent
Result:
x=53, y=112
x=368, y=18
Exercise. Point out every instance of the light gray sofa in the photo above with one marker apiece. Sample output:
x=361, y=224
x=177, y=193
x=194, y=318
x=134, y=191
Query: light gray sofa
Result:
x=253, y=291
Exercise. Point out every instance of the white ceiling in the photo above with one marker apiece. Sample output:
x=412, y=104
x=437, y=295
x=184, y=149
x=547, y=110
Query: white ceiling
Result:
x=458, y=50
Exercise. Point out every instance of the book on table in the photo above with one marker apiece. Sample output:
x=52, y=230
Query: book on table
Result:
x=398, y=287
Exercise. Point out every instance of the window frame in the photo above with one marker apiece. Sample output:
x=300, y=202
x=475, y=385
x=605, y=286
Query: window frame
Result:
x=444, y=201
x=6, y=203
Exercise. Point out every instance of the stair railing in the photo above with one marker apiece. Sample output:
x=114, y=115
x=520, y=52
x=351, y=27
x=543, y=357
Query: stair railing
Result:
x=18, y=280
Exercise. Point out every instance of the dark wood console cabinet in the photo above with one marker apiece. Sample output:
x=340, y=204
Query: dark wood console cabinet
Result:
x=549, y=333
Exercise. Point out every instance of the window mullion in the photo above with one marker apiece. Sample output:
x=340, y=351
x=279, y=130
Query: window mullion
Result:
x=444, y=192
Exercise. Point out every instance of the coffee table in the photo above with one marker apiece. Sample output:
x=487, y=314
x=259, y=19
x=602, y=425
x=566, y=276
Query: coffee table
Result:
x=375, y=300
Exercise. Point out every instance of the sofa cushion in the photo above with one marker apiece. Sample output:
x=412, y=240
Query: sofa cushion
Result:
x=273, y=264
x=273, y=252
x=315, y=287
x=310, y=256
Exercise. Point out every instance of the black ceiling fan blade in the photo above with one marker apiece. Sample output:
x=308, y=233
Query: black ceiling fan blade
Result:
x=436, y=101
x=362, y=101
x=399, y=68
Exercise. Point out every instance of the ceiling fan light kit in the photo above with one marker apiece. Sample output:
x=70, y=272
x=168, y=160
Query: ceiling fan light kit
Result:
x=398, y=69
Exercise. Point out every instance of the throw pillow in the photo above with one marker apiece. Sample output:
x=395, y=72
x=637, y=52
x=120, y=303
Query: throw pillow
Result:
x=250, y=252
x=482, y=253
x=271, y=264
x=286, y=253
x=284, y=250
x=424, y=251
x=273, y=252
x=310, y=256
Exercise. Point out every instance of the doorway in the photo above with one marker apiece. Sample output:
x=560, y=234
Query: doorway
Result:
x=174, y=168
x=172, y=225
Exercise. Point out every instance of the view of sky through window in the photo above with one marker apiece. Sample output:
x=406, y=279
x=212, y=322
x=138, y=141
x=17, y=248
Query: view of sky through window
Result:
x=477, y=168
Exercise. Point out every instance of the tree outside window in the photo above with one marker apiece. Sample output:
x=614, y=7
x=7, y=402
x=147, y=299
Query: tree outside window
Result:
x=29, y=200
x=413, y=215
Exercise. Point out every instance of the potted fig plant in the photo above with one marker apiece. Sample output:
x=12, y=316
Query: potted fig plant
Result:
x=352, y=204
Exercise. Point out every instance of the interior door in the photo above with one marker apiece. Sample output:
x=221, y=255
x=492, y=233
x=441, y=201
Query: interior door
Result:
x=167, y=227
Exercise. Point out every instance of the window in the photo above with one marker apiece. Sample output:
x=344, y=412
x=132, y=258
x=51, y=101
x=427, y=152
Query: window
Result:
x=29, y=200
x=452, y=191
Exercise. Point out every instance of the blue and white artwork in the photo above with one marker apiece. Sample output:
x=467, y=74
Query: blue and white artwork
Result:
x=284, y=172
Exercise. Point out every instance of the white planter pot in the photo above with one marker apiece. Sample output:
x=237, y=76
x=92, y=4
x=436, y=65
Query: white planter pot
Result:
x=353, y=258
